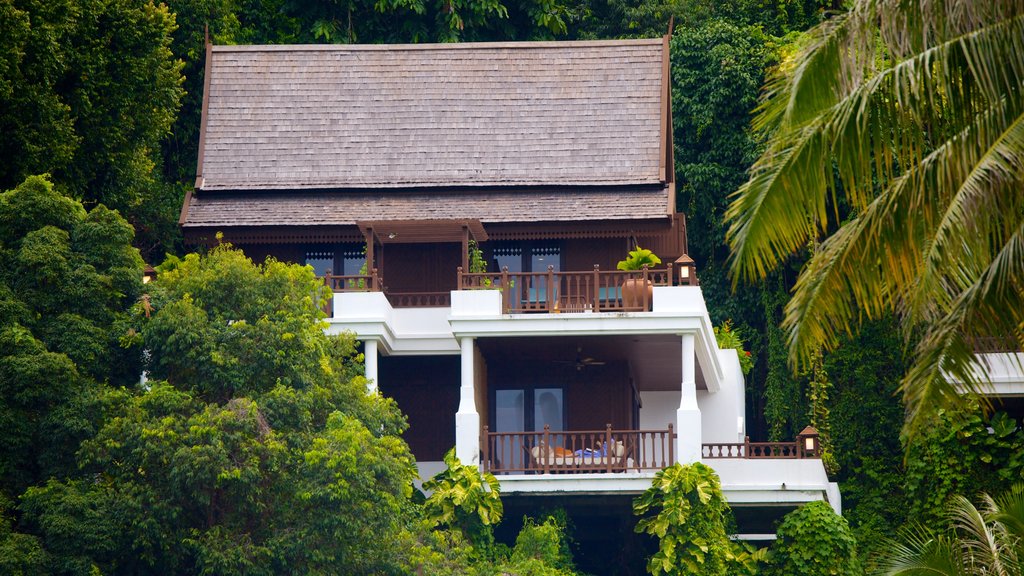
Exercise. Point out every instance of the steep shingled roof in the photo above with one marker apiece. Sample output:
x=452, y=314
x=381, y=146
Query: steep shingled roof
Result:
x=386, y=116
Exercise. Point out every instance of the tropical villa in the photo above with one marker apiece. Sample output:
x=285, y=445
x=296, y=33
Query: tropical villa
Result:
x=468, y=204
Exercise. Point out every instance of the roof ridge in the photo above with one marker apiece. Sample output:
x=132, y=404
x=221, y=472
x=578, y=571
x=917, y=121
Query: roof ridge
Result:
x=524, y=45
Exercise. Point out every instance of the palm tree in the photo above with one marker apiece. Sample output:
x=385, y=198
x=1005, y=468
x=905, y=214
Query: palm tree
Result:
x=896, y=134
x=987, y=542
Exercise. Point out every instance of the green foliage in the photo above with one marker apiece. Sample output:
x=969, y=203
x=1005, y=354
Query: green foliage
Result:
x=818, y=389
x=288, y=466
x=88, y=89
x=961, y=453
x=685, y=510
x=727, y=337
x=866, y=416
x=649, y=18
x=477, y=264
x=973, y=540
x=814, y=541
x=784, y=407
x=67, y=280
x=465, y=499
x=639, y=258
x=541, y=550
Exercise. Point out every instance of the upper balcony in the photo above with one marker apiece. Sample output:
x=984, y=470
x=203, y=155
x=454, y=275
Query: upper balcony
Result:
x=550, y=292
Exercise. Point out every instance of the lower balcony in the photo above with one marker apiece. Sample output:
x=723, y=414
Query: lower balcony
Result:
x=573, y=452
x=612, y=451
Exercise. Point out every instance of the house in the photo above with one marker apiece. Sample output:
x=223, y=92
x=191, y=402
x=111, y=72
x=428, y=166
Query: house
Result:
x=468, y=204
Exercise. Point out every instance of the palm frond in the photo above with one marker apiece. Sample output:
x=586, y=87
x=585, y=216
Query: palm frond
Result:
x=929, y=153
x=921, y=552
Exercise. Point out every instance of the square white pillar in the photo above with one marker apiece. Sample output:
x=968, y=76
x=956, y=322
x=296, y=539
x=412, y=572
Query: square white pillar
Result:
x=467, y=419
x=370, y=357
x=689, y=443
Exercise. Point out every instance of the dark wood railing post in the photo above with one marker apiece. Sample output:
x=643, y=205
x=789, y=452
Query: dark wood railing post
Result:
x=374, y=282
x=645, y=274
x=798, y=443
x=547, y=451
x=596, y=304
x=670, y=281
x=459, y=274
x=746, y=446
x=486, y=447
x=671, y=445
x=506, y=290
x=549, y=301
x=609, y=450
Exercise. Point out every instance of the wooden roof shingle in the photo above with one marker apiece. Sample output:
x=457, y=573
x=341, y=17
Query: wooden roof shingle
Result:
x=327, y=208
x=385, y=116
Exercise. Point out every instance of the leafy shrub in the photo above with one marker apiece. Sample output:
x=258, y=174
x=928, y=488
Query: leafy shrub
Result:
x=685, y=510
x=814, y=541
x=465, y=499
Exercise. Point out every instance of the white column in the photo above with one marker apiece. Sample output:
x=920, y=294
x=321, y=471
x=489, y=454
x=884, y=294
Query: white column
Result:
x=370, y=353
x=467, y=419
x=688, y=425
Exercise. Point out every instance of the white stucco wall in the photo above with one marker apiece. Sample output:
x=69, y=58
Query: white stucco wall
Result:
x=722, y=413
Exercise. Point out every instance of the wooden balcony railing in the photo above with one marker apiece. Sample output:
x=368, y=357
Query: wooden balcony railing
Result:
x=419, y=299
x=553, y=292
x=605, y=450
x=758, y=450
x=355, y=283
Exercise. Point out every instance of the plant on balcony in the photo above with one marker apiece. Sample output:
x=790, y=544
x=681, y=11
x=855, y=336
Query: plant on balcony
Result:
x=637, y=259
x=477, y=264
x=729, y=338
x=633, y=288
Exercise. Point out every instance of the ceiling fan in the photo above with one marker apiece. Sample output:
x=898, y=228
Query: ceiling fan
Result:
x=581, y=361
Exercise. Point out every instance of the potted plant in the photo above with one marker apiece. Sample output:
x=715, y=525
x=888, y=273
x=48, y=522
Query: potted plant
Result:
x=633, y=288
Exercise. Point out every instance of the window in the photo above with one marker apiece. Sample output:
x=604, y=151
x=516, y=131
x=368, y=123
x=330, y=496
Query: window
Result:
x=526, y=256
x=522, y=409
x=340, y=259
x=321, y=260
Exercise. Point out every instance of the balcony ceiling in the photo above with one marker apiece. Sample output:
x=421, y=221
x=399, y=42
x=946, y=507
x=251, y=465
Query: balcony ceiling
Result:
x=655, y=360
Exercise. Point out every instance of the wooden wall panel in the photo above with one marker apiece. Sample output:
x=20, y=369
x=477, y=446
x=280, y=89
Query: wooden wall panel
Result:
x=421, y=267
x=594, y=397
x=292, y=253
x=581, y=255
x=427, y=391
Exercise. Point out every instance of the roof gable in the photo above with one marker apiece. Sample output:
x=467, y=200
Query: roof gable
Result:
x=508, y=114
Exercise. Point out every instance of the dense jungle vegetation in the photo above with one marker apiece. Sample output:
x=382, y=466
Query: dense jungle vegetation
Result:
x=239, y=455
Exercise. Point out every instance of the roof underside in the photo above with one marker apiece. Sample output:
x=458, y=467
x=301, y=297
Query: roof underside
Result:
x=307, y=208
x=523, y=114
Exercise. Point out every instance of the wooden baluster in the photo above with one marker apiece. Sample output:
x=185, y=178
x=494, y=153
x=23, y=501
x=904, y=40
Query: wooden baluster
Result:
x=645, y=273
x=548, y=451
x=484, y=442
x=550, y=289
x=672, y=442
